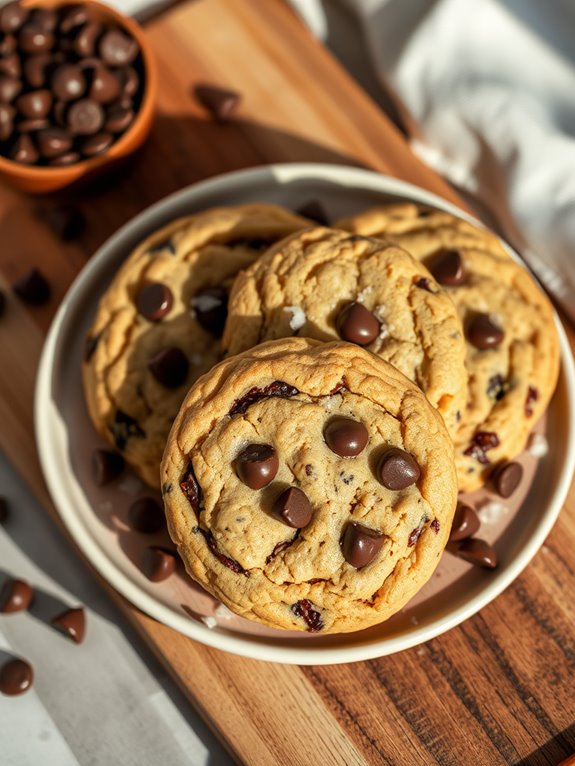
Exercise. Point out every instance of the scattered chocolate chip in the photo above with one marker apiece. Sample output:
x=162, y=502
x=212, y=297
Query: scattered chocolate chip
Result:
x=221, y=102
x=69, y=158
x=16, y=677
x=477, y=552
x=435, y=526
x=7, y=114
x=345, y=437
x=360, y=544
x=293, y=507
x=315, y=211
x=277, y=388
x=530, y=399
x=85, y=41
x=483, y=333
x=191, y=489
x=124, y=427
x=52, y=142
x=71, y=623
x=279, y=547
x=66, y=221
x=117, y=48
x=32, y=288
x=94, y=145
x=257, y=465
x=154, y=301
x=12, y=16
x=85, y=117
x=32, y=39
x=310, y=616
x=10, y=87
x=24, y=151
x=68, y=82
x=105, y=86
x=506, y=477
x=15, y=596
x=397, y=469
x=4, y=512
x=357, y=325
x=210, y=306
x=158, y=563
x=107, y=465
x=222, y=558
x=169, y=367
x=448, y=268
x=465, y=523
x=423, y=284
x=480, y=444
x=415, y=534
x=497, y=387
x=146, y=515
x=118, y=118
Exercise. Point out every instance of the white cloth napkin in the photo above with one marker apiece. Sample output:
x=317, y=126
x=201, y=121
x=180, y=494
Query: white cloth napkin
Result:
x=491, y=86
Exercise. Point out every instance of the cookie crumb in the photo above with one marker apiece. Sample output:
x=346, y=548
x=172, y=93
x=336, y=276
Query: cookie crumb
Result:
x=491, y=512
x=298, y=317
x=538, y=446
x=209, y=622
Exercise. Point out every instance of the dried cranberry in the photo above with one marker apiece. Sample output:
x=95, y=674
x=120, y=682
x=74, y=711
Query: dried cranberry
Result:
x=225, y=560
x=435, y=526
x=480, y=444
x=124, y=427
x=531, y=398
x=277, y=388
x=191, y=489
x=423, y=284
x=310, y=616
x=279, y=547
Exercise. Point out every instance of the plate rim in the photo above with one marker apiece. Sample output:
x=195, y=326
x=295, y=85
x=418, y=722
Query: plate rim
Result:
x=241, y=644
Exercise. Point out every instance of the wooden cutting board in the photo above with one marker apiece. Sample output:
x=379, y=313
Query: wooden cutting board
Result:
x=497, y=690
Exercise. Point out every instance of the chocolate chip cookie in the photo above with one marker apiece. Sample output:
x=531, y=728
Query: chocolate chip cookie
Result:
x=325, y=284
x=158, y=325
x=512, y=356
x=309, y=486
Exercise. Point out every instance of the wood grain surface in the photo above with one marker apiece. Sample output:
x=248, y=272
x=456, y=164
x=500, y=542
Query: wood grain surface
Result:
x=497, y=690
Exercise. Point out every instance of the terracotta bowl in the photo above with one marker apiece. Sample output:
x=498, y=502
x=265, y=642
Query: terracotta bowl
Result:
x=40, y=179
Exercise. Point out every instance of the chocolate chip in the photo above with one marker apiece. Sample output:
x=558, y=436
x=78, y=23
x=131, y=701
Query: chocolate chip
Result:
x=315, y=211
x=357, y=325
x=293, y=507
x=345, y=437
x=118, y=118
x=483, y=333
x=32, y=288
x=169, y=367
x=15, y=596
x=107, y=465
x=117, y=48
x=10, y=87
x=158, y=563
x=221, y=102
x=477, y=552
x=435, y=526
x=105, y=86
x=465, y=523
x=423, y=284
x=4, y=510
x=360, y=544
x=448, y=268
x=146, y=515
x=210, y=306
x=276, y=389
x=68, y=82
x=397, y=469
x=32, y=126
x=85, y=41
x=506, y=477
x=530, y=399
x=11, y=65
x=257, y=465
x=480, y=444
x=12, y=16
x=94, y=145
x=35, y=69
x=191, y=489
x=154, y=301
x=128, y=80
x=53, y=142
x=33, y=39
x=497, y=387
x=310, y=616
x=66, y=221
x=7, y=114
x=85, y=117
x=76, y=16
x=124, y=427
x=71, y=623
x=24, y=151
x=69, y=158
x=35, y=104
x=44, y=18
x=16, y=677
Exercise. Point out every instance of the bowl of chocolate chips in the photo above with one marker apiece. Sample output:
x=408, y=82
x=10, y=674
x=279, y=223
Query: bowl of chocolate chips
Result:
x=77, y=91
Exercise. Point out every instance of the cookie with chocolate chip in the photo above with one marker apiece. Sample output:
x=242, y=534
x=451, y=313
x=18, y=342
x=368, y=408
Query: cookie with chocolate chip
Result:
x=159, y=323
x=325, y=284
x=512, y=356
x=309, y=486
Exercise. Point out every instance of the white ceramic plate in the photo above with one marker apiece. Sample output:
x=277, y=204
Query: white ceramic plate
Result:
x=95, y=517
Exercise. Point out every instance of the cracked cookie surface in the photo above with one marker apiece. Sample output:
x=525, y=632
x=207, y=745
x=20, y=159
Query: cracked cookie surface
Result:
x=512, y=355
x=159, y=323
x=325, y=284
x=347, y=504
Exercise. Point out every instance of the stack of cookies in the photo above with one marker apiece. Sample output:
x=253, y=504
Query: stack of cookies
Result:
x=320, y=396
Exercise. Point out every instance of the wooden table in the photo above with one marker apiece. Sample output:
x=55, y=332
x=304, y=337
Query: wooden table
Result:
x=497, y=690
